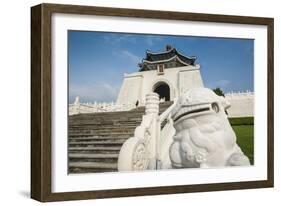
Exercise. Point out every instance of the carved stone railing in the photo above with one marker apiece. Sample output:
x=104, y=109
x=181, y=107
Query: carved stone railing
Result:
x=165, y=137
x=79, y=108
x=139, y=152
x=149, y=148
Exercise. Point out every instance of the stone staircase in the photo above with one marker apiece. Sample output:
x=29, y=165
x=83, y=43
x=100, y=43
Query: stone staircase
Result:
x=95, y=140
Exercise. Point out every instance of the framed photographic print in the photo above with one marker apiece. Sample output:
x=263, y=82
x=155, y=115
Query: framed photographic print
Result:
x=129, y=102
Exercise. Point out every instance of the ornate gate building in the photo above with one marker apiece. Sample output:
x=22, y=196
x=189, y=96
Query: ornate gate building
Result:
x=168, y=73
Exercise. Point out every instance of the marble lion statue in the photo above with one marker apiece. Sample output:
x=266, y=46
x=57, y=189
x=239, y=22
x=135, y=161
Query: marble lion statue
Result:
x=204, y=137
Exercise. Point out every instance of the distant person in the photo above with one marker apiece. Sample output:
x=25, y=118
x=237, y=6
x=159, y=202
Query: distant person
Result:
x=137, y=103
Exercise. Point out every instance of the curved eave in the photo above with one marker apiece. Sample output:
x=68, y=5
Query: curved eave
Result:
x=188, y=57
x=159, y=53
x=164, y=61
x=148, y=53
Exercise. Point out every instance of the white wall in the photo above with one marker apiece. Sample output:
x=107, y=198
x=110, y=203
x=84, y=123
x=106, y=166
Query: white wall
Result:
x=130, y=91
x=188, y=80
x=242, y=104
x=15, y=93
x=136, y=85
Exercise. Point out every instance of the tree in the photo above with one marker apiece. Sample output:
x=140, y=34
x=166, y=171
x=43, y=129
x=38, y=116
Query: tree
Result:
x=218, y=91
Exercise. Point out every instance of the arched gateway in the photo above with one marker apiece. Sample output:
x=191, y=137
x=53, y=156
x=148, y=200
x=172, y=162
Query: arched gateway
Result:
x=163, y=90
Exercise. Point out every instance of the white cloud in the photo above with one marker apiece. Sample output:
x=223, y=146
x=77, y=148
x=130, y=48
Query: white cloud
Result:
x=134, y=58
x=128, y=56
x=100, y=92
x=117, y=40
x=151, y=40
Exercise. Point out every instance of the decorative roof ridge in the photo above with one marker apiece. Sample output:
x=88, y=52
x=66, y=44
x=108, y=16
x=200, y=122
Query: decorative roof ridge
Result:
x=189, y=57
x=164, y=52
x=166, y=60
x=168, y=51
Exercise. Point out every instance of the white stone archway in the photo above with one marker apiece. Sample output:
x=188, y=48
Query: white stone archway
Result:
x=164, y=82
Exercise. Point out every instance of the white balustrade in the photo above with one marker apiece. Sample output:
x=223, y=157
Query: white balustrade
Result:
x=139, y=151
x=165, y=137
x=149, y=148
x=95, y=107
x=242, y=104
x=239, y=95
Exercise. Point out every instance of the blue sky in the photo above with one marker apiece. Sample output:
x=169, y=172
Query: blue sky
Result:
x=98, y=60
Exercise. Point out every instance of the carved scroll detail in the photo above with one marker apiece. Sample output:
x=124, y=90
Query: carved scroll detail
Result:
x=138, y=152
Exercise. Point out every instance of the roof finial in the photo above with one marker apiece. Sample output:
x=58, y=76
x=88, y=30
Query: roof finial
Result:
x=168, y=47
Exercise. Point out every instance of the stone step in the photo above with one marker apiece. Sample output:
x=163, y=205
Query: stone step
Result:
x=115, y=128
x=95, y=132
x=102, y=114
x=114, y=115
x=95, y=148
x=104, y=143
x=124, y=116
x=136, y=117
x=98, y=133
x=128, y=134
x=103, y=124
x=108, y=119
x=105, y=121
x=93, y=156
x=90, y=157
x=97, y=138
x=77, y=140
x=89, y=123
x=70, y=135
x=93, y=165
x=112, y=124
x=76, y=170
x=94, y=128
x=102, y=133
x=94, y=151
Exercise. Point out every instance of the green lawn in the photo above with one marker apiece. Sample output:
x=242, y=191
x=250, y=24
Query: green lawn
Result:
x=245, y=139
